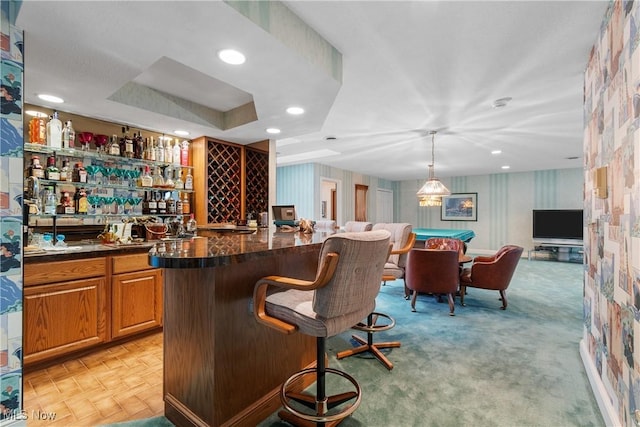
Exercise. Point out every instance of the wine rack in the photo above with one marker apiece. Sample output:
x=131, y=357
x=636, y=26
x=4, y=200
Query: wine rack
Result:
x=257, y=182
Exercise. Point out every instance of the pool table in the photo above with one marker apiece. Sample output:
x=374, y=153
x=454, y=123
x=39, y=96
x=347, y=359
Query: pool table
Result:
x=422, y=234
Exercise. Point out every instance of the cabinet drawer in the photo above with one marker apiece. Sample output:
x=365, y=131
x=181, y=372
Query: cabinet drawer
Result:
x=129, y=263
x=39, y=274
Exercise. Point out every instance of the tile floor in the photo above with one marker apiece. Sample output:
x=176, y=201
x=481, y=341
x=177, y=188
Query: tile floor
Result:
x=121, y=383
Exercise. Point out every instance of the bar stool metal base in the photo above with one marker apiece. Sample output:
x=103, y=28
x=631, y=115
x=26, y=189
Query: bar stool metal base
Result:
x=369, y=346
x=320, y=404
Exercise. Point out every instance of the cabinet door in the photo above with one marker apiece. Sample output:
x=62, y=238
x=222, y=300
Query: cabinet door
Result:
x=136, y=303
x=63, y=317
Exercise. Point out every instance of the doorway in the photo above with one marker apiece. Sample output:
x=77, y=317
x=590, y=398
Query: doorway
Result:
x=330, y=195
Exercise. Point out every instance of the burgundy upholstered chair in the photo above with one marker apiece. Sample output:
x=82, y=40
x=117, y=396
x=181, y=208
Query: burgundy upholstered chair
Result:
x=432, y=271
x=492, y=272
x=445, y=244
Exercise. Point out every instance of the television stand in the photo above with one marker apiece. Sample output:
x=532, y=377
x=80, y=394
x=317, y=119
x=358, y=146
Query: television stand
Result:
x=560, y=251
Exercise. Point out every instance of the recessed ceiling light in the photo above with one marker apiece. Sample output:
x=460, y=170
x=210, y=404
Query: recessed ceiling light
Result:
x=496, y=152
x=295, y=110
x=231, y=56
x=506, y=167
x=181, y=132
x=51, y=98
x=273, y=130
x=35, y=113
x=501, y=102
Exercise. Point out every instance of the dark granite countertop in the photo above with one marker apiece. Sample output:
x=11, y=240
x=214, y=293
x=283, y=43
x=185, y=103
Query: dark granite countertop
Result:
x=224, y=248
x=80, y=250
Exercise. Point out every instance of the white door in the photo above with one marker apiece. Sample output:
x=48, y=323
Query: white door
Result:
x=384, y=205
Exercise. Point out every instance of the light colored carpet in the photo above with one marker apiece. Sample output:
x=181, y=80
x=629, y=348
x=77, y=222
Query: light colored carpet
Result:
x=146, y=422
x=483, y=367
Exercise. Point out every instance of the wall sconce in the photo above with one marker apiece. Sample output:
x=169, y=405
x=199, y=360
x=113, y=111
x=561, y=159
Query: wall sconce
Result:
x=600, y=180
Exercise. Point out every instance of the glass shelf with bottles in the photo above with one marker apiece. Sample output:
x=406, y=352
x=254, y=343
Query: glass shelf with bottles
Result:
x=99, y=155
x=116, y=186
x=53, y=202
x=107, y=174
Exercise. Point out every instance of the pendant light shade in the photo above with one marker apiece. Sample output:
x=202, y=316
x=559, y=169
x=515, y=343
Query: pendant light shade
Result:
x=431, y=192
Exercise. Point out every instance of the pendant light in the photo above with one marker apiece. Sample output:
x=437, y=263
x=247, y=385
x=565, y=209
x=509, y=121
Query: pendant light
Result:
x=432, y=191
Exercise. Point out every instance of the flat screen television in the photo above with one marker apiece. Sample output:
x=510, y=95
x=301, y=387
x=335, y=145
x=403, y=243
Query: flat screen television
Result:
x=558, y=225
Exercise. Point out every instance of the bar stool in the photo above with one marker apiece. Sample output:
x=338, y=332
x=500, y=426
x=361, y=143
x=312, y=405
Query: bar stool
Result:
x=402, y=239
x=343, y=292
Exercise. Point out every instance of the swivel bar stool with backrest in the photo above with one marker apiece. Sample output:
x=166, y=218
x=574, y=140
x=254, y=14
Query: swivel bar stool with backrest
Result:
x=357, y=226
x=343, y=292
x=402, y=239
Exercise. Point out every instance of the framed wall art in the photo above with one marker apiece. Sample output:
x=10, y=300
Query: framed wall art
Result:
x=460, y=207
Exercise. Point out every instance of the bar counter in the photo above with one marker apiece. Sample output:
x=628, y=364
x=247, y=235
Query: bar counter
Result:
x=222, y=368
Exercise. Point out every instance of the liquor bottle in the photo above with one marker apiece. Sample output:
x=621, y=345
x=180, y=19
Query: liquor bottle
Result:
x=35, y=168
x=179, y=205
x=126, y=143
x=176, y=153
x=68, y=135
x=160, y=150
x=153, y=204
x=171, y=205
x=168, y=151
x=54, y=131
x=145, y=204
x=52, y=172
x=192, y=226
x=184, y=153
x=179, y=184
x=38, y=131
x=81, y=202
x=188, y=181
x=49, y=201
x=79, y=173
x=114, y=147
x=186, y=204
x=138, y=146
x=158, y=181
x=66, y=205
x=145, y=179
x=66, y=172
x=168, y=181
x=152, y=150
x=162, y=205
